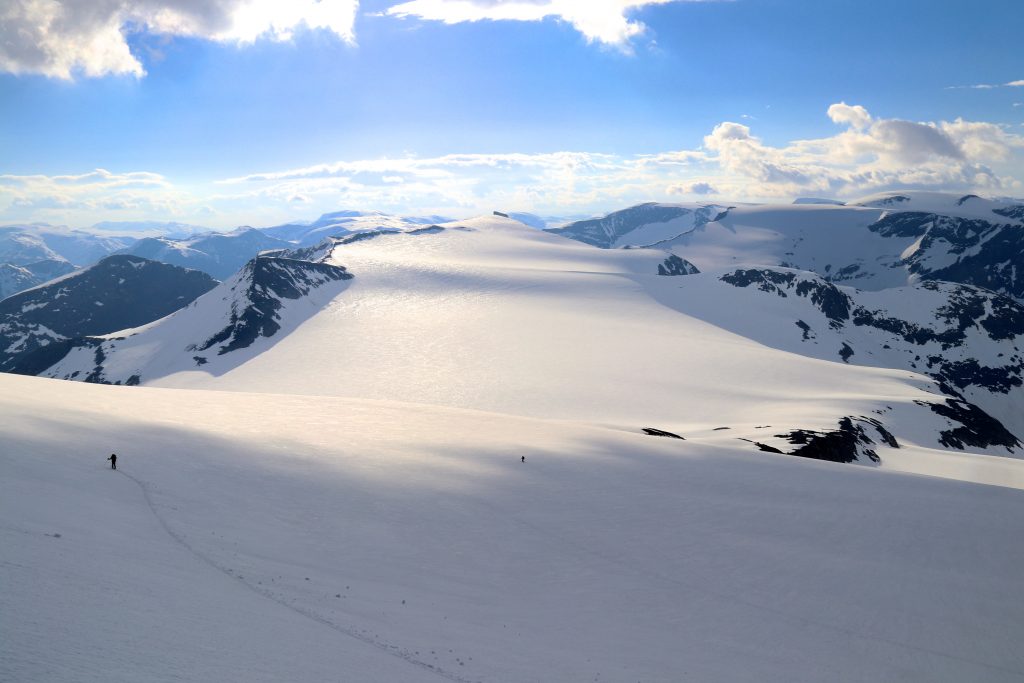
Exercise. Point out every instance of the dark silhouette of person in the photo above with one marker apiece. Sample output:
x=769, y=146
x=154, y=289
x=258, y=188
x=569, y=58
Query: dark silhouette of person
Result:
x=524, y=458
x=113, y=461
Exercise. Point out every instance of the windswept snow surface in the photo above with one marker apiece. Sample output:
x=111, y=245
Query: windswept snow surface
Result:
x=344, y=498
x=943, y=203
x=260, y=537
x=489, y=314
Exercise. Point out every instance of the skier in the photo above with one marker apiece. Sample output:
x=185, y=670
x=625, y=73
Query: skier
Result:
x=523, y=458
x=113, y=461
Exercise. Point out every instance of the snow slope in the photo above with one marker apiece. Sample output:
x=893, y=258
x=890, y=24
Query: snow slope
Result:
x=969, y=206
x=968, y=338
x=339, y=223
x=322, y=477
x=260, y=537
x=490, y=314
x=883, y=241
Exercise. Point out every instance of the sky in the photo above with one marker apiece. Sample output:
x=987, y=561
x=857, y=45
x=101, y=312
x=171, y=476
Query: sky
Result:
x=229, y=112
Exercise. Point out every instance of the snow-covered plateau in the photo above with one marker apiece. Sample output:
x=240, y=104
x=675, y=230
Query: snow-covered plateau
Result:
x=444, y=452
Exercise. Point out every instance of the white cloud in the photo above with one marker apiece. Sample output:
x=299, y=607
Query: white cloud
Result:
x=91, y=196
x=871, y=154
x=866, y=154
x=603, y=21
x=61, y=38
x=987, y=86
x=857, y=116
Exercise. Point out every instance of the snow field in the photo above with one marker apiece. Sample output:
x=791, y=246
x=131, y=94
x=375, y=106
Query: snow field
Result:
x=271, y=537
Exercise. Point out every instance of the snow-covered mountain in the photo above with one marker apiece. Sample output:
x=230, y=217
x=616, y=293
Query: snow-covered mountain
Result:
x=217, y=254
x=470, y=313
x=32, y=254
x=445, y=451
x=140, y=229
x=339, y=223
x=25, y=244
x=968, y=339
x=118, y=292
x=267, y=294
x=14, y=278
x=883, y=241
x=641, y=225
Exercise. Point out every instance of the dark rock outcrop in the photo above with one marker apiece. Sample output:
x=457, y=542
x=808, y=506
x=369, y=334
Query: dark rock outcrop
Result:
x=848, y=443
x=265, y=281
x=976, y=427
x=675, y=265
x=968, y=251
x=651, y=431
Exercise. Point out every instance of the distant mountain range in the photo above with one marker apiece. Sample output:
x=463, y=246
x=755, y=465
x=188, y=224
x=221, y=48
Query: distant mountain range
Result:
x=746, y=305
x=32, y=254
x=340, y=223
x=786, y=359
x=217, y=254
x=140, y=229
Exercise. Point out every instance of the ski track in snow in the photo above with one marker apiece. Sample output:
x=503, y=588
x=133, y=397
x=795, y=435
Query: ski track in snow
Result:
x=391, y=650
x=562, y=541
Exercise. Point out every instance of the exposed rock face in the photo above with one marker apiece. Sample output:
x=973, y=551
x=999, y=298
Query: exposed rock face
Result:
x=943, y=334
x=968, y=251
x=849, y=443
x=675, y=265
x=117, y=293
x=968, y=339
x=1014, y=212
x=973, y=426
x=825, y=296
x=233, y=317
x=264, y=282
x=651, y=431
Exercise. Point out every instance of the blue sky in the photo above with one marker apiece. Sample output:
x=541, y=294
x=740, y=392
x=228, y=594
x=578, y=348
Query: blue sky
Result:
x=241, y=113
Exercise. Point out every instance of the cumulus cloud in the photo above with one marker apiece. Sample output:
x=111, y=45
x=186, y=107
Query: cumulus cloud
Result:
x=857, y=116
x=871, y=154
x=603, y=21
x=61, y=38
x=866, y=154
